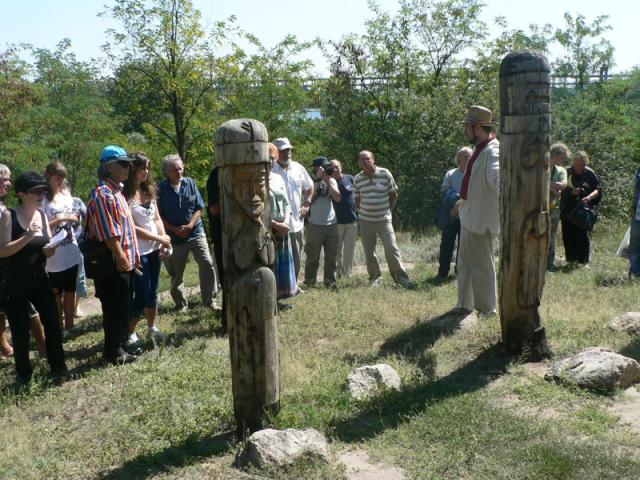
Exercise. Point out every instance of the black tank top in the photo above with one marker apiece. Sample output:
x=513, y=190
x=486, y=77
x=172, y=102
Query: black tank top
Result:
x=27, y=265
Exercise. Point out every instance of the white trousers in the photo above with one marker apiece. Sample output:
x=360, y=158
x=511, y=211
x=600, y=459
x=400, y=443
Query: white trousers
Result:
x=476, y=271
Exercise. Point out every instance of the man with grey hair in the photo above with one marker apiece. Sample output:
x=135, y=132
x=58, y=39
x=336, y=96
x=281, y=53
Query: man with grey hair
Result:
x=558, y=154
x=376, y=197
x=180, y=205
x=109, y=221
x=448, y=220
x=299, y=193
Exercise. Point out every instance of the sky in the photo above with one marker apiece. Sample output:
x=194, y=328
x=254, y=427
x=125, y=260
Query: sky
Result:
x=44, y=23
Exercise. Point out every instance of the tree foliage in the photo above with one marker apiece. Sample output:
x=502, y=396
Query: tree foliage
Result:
x=400, y=89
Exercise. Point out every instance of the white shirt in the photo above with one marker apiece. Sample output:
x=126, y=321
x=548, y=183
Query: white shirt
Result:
x=145, y=218
x=297, y=180
x=67, y=254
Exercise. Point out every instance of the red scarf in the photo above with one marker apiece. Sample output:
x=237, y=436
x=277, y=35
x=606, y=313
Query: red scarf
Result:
x=464, y=189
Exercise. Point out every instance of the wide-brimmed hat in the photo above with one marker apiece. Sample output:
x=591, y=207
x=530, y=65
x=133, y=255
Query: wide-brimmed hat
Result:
x=282, y=143
x=479, y=115
x=30, y=181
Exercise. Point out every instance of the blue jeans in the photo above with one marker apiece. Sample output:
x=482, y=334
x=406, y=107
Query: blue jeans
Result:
x=447, y=245
x=634, y=248
x=145, y=293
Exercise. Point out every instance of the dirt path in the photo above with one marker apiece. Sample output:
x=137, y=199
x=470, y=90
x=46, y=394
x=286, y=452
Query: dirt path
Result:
x=361, y=467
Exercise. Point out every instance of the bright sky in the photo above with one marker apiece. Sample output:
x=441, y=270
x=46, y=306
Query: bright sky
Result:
x=44, y=23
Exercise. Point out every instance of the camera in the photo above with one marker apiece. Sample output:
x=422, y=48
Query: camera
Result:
x=329, y=169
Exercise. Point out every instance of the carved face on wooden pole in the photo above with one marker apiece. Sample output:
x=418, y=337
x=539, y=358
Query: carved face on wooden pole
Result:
x=249, y=183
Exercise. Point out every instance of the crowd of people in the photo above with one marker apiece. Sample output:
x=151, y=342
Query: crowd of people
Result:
x=130, y=226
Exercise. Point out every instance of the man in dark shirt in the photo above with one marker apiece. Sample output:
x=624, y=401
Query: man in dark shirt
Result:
x=181, y=205
x=347, y=219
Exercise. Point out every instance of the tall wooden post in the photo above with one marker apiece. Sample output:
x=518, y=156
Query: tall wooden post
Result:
x=248, y=255
x=525, y=78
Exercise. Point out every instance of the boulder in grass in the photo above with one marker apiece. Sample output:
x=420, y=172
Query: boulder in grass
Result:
x=276, y=448
x=596, y=369
x=628, y=322
x=370, y=380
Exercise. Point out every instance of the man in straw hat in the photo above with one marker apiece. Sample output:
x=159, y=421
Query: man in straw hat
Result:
x=479, y=215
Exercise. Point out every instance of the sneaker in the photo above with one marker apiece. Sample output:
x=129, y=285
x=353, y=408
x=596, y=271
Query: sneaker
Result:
x=376, y=282
x=120, y=357
x=133, y=339
x=79, y=313
x=215, y=307
x=156, y=335
x=404, y=283
x=487, y=314
x=183, y=309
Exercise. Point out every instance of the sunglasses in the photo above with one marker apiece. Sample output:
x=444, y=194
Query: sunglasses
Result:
x=124, y=164
x=36, y=191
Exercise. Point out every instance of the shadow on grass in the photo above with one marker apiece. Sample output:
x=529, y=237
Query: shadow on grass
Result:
x=392, y=409
x=186, y=453
x=197, y=323
x=632, y=349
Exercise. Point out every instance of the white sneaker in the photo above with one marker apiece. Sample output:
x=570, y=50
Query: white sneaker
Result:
x=156, y=335
x=79, y=313
x=133, y=339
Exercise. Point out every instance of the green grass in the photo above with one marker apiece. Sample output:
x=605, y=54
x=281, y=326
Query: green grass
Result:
x=465, y=410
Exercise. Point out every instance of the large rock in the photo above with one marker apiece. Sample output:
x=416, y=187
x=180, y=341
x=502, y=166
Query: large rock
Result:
x=596, y=369
x=628, y=323
x=368, y=381
x=275, y=448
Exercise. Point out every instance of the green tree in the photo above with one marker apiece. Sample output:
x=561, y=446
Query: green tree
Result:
x=167, y=65
x=586, y=52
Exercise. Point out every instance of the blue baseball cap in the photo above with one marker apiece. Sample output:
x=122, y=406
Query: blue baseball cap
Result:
x=114, y=152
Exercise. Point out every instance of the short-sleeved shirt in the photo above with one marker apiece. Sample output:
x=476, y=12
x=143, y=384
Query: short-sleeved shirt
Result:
x=108, y=216
x=453, y=180
x=558, y=174
x=375, y=205
x=297, y=180
x=346, y=208
x=67, y=254
x=278, y=197
x=321, y=211
x=177, y=206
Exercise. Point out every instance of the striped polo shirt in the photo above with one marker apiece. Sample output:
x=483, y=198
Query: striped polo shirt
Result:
x=108, y=216
x=373, y=192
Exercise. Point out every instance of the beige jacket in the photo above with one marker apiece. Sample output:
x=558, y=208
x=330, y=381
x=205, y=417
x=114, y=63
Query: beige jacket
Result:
x=480, y=211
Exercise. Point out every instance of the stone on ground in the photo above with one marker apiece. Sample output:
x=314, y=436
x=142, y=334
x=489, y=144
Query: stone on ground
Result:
x=453, y=320
x=628, y=322
x=370, y=380
x=596, y=369
x=275, y=448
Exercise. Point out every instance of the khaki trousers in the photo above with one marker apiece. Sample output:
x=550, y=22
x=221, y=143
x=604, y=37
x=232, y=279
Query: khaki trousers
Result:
x=177, y=262
x=321, y=237
x=347, y=236
x=554, y=219
x=476, y=271
x=369, y=233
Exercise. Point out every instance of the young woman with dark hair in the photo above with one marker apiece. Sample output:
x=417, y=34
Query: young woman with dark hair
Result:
x=153, y=243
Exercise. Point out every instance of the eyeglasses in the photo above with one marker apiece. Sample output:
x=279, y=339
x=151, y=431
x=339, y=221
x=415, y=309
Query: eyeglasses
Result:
x=124, y=164
x=36, y=191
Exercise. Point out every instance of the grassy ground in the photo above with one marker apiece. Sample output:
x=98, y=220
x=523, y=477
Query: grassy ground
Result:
x=465, y=409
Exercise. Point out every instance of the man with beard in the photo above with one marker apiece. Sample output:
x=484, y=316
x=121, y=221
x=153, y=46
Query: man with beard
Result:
x=299, y=193
x=479, y=215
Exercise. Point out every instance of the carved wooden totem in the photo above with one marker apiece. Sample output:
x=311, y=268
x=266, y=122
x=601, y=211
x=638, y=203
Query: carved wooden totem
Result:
x=250, y=285
x=524, y=196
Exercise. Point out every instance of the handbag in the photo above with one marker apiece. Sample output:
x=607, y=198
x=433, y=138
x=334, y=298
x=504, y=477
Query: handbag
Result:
x=98, y=260
x=583, y=217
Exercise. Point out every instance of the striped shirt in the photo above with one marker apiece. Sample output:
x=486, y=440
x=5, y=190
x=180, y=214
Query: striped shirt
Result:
x=108, y=216
x=373, y=191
